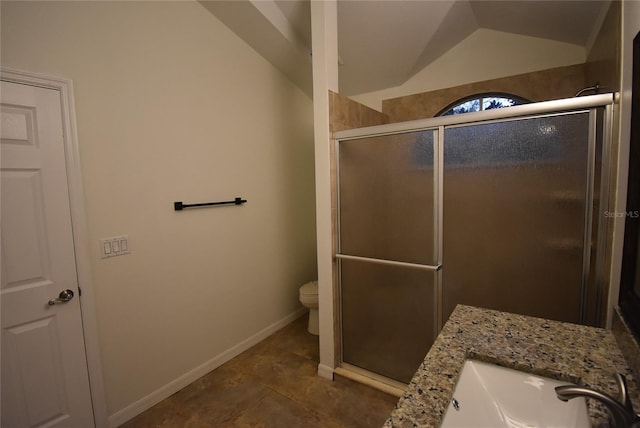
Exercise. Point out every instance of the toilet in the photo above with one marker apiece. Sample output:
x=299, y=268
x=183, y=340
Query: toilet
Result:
x=309, y=299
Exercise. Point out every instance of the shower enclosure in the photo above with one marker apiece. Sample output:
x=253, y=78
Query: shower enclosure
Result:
x=497, y=209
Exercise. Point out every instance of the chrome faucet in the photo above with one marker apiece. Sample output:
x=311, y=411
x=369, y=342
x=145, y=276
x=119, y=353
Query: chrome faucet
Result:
x=620, y=409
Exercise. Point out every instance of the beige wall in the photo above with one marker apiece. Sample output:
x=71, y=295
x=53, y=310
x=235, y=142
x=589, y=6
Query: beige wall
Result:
x=483, y=55
x=173, y=106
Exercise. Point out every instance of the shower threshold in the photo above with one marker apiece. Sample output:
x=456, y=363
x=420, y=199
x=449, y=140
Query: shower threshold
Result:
x=374, y=380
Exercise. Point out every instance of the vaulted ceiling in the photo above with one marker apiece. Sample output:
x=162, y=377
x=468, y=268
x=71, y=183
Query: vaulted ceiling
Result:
x=384, y=43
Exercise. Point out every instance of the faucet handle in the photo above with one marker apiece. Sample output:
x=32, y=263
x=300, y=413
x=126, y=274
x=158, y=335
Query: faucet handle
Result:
x=623, y=394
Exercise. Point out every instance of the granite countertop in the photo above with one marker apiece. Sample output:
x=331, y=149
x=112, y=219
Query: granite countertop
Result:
x=573, y=353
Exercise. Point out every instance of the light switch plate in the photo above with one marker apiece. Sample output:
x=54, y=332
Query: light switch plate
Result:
x=115, y=246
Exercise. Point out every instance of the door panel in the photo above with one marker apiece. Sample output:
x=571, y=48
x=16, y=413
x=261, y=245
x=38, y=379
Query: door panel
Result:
x=386, y=197
x=387, y=211
x=515, y=197
x=27, y=253
x=388, y=317
x=35, y=368
x=44, y=371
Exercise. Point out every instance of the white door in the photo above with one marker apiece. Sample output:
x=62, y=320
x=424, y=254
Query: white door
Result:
x=45, y=380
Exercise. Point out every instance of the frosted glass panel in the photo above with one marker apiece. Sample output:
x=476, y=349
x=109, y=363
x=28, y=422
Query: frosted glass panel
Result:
x=387, y=317
x=514, y=215
x=386, y=197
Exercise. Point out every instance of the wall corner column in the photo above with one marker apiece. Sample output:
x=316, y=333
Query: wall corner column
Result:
x=324, y=33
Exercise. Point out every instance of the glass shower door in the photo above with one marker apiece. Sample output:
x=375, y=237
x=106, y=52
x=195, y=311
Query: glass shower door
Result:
x=498, y=209
x=387, y=251
x=517, y=200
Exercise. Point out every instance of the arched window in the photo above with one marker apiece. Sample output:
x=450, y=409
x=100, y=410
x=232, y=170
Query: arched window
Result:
x=480, y=102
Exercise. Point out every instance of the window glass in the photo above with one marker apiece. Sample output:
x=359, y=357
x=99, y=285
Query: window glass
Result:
x=482, y=102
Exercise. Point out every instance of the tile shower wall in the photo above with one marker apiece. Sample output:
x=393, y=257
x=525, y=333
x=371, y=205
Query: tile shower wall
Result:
x=345, y=114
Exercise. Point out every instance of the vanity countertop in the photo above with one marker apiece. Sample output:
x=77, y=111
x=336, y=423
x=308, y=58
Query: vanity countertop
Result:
x=569, y=352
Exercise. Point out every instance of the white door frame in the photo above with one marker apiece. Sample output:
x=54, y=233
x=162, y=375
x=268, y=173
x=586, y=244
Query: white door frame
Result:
x=79, y=225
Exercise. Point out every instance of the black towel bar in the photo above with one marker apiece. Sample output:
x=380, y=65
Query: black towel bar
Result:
x=179, y=206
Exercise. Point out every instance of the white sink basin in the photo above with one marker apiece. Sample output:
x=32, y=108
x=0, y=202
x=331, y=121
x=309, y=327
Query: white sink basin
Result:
x=491, y=396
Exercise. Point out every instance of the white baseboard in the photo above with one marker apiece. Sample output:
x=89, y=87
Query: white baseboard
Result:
x=176, y=385
x=325, y=371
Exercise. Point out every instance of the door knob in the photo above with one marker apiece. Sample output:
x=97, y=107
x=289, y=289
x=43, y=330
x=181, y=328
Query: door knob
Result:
x=63, y=297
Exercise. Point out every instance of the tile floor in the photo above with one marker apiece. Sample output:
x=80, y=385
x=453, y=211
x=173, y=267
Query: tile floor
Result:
x=273, y=384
